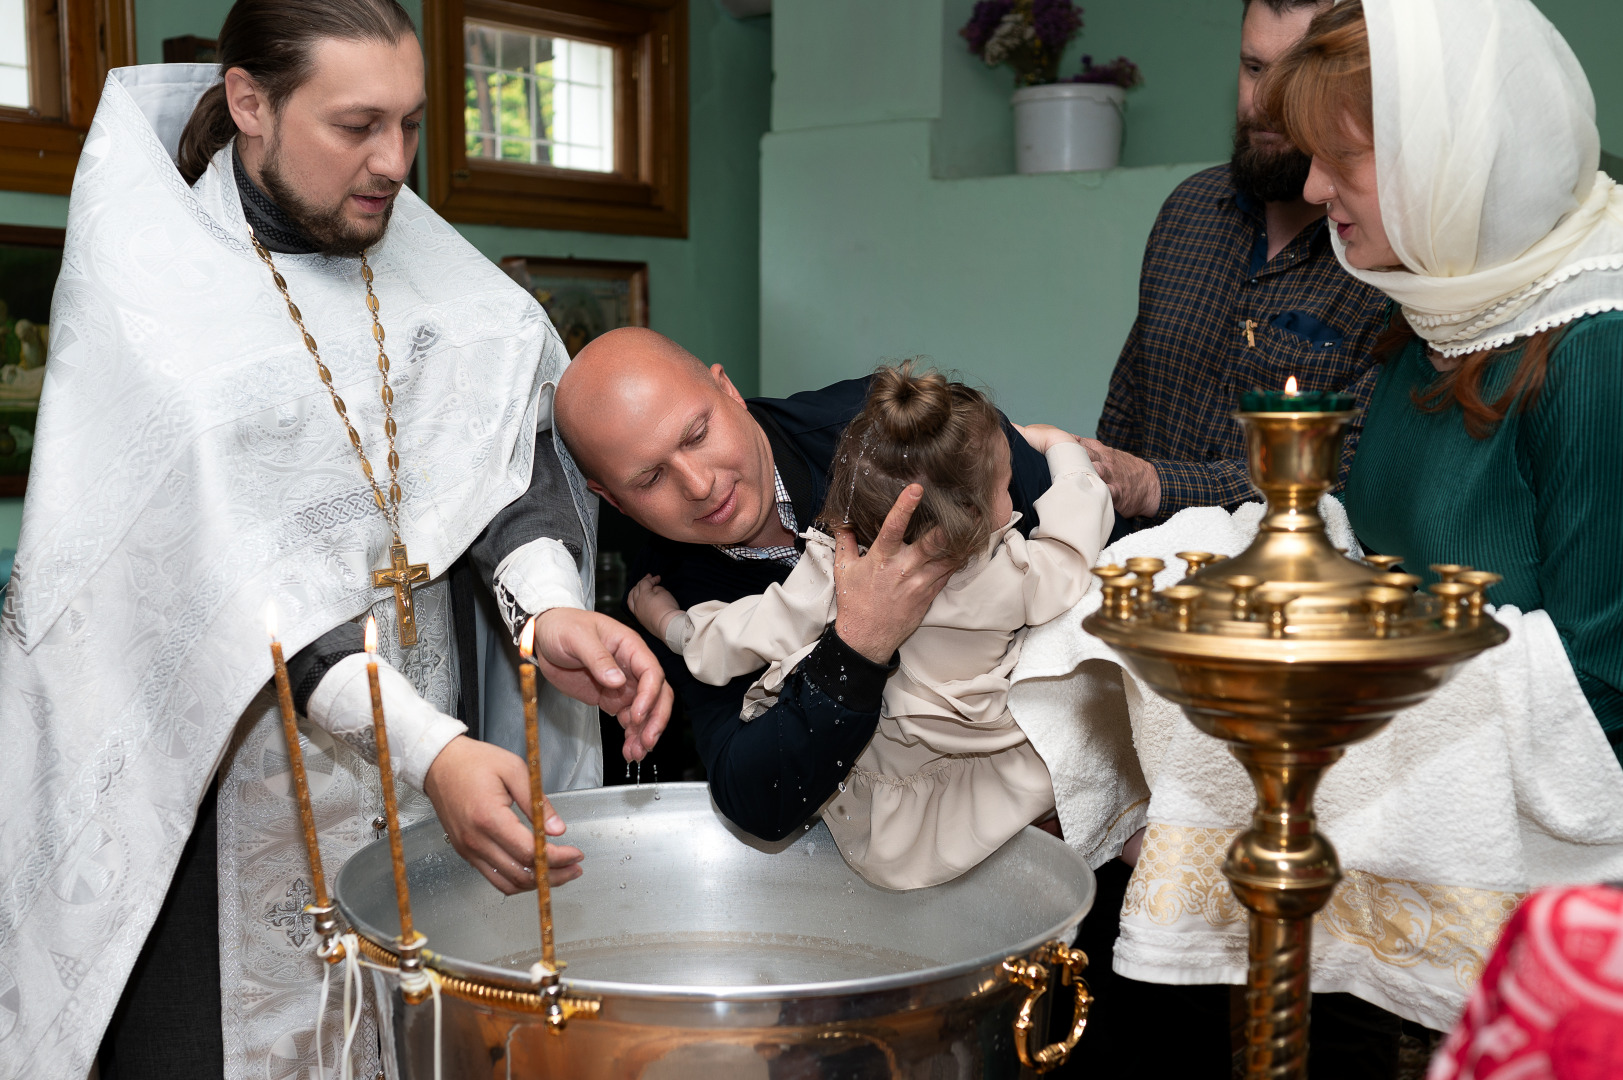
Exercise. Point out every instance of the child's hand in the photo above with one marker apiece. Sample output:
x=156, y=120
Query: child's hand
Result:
x=1042, y=436
x=652, y=605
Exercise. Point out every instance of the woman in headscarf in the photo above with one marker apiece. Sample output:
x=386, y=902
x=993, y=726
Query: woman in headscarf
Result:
x=1455, y=149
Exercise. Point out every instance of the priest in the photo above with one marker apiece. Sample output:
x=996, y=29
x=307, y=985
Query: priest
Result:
x=277, y=380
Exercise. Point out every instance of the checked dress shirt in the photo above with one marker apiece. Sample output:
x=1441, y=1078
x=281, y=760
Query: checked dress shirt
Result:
x=1217, y=317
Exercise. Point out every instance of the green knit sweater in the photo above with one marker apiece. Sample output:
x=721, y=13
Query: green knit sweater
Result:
x=1539, y=501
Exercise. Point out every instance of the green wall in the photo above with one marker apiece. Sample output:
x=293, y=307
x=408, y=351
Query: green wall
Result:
x=892, y=225
x=703, y=291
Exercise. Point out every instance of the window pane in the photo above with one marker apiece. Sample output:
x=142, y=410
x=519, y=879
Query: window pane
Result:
x=13, y=55
x=538, y=99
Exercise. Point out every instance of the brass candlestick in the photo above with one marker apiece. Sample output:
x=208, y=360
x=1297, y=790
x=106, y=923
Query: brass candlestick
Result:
x=1290, y=652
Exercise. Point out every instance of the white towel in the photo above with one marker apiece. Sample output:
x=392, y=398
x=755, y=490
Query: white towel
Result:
x=1501, y=782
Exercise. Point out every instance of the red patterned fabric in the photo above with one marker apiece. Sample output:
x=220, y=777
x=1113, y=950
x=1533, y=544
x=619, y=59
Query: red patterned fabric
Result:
x=1550, y=1003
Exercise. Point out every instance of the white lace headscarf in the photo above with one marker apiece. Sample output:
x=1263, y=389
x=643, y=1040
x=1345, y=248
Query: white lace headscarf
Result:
x=1487, y=160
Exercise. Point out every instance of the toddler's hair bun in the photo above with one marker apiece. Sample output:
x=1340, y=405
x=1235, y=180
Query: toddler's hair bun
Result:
x=909, y=408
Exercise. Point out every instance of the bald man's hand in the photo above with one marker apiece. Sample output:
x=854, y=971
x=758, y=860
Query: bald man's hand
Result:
x=881, y=597
x=603, y=662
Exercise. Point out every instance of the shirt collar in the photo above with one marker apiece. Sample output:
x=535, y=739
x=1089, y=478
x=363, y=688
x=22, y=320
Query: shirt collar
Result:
x=786, y=554
x=270, y=223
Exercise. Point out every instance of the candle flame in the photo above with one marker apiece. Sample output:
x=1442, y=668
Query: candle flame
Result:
x=1290, y=385
x=526, y=639
x=371, y=636
x=270, y=618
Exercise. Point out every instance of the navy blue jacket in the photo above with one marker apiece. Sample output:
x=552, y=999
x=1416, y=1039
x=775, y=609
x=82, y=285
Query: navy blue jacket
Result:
x=770, y=774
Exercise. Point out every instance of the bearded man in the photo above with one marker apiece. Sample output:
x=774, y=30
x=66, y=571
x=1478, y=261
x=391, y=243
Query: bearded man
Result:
x=276, y=378
x=1240, y=289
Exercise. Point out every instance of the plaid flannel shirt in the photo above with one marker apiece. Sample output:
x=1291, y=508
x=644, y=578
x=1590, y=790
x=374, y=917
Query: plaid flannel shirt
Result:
x=1217, y=317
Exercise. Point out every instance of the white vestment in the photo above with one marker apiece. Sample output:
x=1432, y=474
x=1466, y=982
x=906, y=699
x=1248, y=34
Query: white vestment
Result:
x=189, y=468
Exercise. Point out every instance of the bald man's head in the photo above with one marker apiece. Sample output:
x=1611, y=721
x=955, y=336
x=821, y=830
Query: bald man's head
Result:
x=666, y=440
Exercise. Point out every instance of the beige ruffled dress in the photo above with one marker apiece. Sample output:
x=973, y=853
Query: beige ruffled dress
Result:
x=949, y=775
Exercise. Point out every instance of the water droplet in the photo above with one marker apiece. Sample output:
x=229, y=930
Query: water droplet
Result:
x=842, y=785
x=839, y=765
x=656, y=796
x=622, y=884
x=808, y=824
x=628, y=770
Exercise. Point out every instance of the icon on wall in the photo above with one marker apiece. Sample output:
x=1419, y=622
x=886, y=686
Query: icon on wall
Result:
x=584, y=297
x=30, y=260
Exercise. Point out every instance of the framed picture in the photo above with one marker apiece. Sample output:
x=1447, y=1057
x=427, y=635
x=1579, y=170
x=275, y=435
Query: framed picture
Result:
x=30, y=260
x=584, y=297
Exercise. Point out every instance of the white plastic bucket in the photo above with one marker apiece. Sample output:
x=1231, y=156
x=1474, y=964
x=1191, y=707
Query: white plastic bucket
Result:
x=1068, y=127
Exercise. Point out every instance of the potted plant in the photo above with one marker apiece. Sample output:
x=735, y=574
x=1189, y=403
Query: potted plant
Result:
x=1061, y=125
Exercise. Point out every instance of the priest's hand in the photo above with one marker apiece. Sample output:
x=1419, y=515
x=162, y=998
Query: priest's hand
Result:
x=884, y=594
x=603, y=662
x=473, y=786
x=1135, y=486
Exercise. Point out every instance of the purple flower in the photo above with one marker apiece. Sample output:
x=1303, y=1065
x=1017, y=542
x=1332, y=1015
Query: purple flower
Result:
x=983, y=22
x=1056, y=22
x=1120, y=72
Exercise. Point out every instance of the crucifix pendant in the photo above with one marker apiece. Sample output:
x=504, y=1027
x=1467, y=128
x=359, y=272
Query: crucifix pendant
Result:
x=401, y=576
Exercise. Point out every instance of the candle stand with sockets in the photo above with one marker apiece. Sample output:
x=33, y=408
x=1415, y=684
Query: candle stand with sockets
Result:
x=1290, y=652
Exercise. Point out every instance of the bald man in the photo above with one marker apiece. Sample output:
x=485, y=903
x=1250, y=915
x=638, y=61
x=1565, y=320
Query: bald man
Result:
x=726, y=485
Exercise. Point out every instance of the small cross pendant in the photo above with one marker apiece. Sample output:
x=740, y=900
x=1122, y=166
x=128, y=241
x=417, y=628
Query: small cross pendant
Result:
x=401, y=576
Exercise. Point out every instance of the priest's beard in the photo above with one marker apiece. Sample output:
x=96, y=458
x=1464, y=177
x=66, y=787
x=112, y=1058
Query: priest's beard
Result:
x=1267, y=175
x=325, y=227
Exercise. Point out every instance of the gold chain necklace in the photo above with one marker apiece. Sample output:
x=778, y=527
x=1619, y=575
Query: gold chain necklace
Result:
x=402, y=573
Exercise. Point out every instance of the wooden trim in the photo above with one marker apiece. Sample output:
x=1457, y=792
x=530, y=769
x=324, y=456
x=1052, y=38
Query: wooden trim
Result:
x=33, y=236
x=647, y=194
x=39, y=152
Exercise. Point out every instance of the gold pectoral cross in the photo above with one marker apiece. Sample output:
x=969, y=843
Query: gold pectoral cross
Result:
x=401, y=576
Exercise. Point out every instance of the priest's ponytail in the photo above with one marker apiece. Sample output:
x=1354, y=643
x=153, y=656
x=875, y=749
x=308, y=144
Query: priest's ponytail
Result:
x=209, y=128
x=272, y=41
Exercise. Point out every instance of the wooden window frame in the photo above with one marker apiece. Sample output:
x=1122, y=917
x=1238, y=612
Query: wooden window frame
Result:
x=646, y=195
x=72, y=46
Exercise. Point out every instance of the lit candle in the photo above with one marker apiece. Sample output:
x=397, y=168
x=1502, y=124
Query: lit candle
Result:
x=295, y=758
x=1292, y=399
x=380, y=733
x=532, y=743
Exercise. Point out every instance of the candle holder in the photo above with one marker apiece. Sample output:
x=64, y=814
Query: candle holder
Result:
x=1290, y=652
x=549, y=968
x=414, y=983
x=323, y=912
